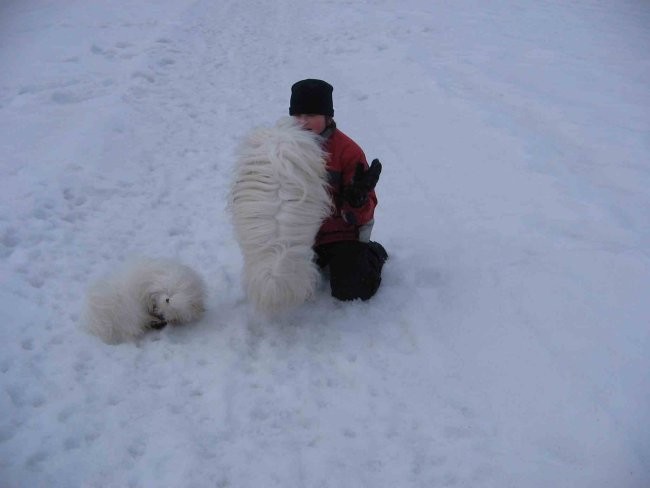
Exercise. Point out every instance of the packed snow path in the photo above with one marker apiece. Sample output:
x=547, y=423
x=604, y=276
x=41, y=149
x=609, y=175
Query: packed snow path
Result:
x=508, y=345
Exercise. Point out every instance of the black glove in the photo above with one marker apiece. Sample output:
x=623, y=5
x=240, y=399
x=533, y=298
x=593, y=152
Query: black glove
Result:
x=364, y=181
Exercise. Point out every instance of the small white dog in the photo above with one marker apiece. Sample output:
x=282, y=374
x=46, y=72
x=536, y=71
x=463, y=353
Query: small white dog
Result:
x=146, y=294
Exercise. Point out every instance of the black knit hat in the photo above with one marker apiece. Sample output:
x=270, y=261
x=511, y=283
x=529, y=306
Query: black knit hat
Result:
x=311, y=97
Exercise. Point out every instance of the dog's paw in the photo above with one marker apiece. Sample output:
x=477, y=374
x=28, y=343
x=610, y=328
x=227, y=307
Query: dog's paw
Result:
x=158, y=320
x=157, y=324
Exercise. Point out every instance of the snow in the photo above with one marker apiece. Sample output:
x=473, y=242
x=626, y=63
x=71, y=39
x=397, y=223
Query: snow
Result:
x=507, y=346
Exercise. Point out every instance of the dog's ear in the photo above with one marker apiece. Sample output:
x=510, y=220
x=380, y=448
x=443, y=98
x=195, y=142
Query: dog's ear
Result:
x=151, y=302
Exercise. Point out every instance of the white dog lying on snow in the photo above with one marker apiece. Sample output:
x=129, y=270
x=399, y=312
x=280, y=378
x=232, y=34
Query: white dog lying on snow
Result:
x=146, y=294
x=278, y=200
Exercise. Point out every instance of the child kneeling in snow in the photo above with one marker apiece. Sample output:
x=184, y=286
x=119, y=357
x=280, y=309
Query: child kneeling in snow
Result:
x=343, y=241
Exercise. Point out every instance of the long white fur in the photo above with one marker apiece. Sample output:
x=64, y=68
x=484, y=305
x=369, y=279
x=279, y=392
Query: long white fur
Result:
x=122, y=306
x=278, y=201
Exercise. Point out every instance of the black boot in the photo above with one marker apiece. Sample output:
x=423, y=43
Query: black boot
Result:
x=379, y=251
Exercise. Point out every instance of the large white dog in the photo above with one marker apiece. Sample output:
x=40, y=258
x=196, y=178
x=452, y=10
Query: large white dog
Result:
x=278, y=200
x=146, y=294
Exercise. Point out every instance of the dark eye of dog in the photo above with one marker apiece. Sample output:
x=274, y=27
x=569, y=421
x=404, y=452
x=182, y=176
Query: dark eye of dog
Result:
x=167, y=300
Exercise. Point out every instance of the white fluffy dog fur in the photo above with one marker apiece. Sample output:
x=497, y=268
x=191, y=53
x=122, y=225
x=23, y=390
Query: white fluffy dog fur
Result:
x=278, y=201
x=146, y=294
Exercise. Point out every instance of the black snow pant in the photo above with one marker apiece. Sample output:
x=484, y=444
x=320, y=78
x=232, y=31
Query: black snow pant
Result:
x=354, y=267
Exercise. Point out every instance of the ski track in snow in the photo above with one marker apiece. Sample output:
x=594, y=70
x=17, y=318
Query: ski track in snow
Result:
x=507, y=345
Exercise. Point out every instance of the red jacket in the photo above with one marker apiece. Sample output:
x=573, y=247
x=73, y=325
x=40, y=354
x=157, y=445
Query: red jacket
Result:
x=344, y=222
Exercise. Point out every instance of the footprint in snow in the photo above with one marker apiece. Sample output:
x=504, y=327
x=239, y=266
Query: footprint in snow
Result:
x=166, y=62
x=428, y=278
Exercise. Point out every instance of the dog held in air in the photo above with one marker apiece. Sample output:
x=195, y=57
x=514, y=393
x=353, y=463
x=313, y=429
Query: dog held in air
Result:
x=278, y=201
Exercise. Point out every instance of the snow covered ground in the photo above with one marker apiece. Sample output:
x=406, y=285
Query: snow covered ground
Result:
x=508, y=345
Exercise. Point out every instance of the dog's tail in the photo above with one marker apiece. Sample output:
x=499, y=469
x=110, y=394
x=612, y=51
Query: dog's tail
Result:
x=278, y=279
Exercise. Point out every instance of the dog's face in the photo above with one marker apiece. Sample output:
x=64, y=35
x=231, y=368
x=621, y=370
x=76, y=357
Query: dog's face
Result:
x=175, y=307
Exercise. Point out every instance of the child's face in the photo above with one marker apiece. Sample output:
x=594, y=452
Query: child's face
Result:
x=312, y=122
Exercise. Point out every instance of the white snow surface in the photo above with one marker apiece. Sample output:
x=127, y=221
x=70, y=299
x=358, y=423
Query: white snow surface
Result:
x=508, y=345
